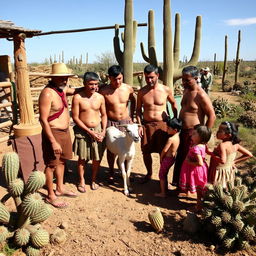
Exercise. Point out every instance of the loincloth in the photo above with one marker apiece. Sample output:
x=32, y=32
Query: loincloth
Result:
x=85, y=146
x=154, y=137
x=62, y=136
x=116, y=123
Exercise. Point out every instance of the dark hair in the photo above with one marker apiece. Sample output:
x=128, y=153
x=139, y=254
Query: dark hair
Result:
x=204, y=132
x=190, y=70
x=115, y=70
x=174, y=123
x=88, y=76
x=151, y=68
x=233, y=130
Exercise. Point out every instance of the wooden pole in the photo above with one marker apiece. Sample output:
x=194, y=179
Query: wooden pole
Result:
x=28, y=125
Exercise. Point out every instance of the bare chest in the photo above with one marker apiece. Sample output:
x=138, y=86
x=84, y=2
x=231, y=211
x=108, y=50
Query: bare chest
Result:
x=157, y=98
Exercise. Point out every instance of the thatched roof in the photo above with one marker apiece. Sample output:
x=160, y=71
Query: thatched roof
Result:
x=8, y=29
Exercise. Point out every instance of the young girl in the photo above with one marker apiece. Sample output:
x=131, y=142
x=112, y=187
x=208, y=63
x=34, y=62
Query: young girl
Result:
x=167, y=157
x=193, y=177
x=223, y=158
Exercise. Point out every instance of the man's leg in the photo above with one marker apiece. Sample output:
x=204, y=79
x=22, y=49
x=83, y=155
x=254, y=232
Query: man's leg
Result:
x=52, y=198
x=95, y=169
x=80, y=168
x=148, y=163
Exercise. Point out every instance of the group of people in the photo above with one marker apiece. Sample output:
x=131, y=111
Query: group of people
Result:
x=178, y=140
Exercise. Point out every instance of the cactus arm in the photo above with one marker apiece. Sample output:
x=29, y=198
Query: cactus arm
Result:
x=176, y=46
x=167, y=51
x=117, y=49
x=145, y=57
x=225, y=62
x=196, y=50
x=237, y=62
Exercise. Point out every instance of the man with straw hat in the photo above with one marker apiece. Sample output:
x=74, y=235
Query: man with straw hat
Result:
x=56, y=140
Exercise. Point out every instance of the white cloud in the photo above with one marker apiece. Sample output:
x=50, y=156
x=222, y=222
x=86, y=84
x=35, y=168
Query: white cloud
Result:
x=243, y=22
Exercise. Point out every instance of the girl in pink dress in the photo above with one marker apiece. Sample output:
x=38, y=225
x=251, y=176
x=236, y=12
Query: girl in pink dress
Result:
x=224, y=157
x=193, y=177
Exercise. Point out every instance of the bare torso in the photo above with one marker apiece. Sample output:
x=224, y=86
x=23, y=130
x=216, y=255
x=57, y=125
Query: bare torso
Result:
x=89, y=109
x=174, y=144
x=191, y=112
x=153, y=100
x=116, y=100
x=62, y=122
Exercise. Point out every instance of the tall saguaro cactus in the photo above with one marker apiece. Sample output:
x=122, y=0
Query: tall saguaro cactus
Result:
x=225, y=63
x=238, y=61
x=171, y=70
x=125, y=57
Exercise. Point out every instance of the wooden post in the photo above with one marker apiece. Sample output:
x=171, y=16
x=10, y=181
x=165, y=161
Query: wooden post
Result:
x=28, y=125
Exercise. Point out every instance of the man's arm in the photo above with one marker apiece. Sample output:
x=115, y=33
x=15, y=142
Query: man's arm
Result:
x=171, y=99
x=208, y=110
x=132, y=104
x=45, y=101
x=139, y=112
x=104, y=118
x=73, y=90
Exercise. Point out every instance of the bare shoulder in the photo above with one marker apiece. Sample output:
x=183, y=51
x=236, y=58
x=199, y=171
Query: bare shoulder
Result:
x=104, y=89
x=46, y=93
x=129, y=87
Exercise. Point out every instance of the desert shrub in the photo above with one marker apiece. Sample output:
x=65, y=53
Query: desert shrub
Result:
x=227, y=87
x=248, y=105
x=223, y=109
x=248, y=119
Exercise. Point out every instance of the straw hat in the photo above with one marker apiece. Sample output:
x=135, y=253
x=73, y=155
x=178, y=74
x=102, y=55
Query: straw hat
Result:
x=59, y=69
x=207, y=69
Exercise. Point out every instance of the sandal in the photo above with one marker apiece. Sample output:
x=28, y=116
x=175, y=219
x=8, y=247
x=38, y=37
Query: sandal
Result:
x=81, y=188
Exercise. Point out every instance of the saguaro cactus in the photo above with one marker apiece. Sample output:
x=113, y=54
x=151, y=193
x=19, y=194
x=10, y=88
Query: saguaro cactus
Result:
x=125, y=57
x=225, y=63
x=237, y=61
x=171, y=70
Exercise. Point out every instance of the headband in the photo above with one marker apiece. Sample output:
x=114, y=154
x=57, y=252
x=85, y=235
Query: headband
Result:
x=229, y=127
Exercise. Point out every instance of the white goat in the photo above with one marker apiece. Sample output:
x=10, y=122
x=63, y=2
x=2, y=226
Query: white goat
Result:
x=122, y=144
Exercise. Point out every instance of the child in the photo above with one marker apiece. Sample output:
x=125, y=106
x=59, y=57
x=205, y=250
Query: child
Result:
x=193, y=177
x=167, y=157
x=223, y=158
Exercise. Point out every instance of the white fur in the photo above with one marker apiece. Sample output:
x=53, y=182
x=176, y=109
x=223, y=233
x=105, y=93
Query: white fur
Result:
x=122, y=144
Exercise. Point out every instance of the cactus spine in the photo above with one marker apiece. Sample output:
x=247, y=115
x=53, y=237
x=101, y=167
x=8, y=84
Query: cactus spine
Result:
x=40, y=238
x=4, y=214
x=11, y=165
x=125, y=58
x=170, y=72
x=156, y=219
x=35, y=181
x=21, y=236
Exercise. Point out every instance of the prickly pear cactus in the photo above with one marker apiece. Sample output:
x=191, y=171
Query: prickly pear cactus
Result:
x=231, y=213
x=30, y=208
x=156, y=219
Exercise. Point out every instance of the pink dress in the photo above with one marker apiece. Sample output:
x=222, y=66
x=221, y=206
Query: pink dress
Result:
x=194, y=178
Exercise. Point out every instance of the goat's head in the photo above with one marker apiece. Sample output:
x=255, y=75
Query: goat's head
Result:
x=132, y=130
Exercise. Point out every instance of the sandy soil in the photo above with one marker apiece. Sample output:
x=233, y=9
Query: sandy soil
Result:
x=106, y=222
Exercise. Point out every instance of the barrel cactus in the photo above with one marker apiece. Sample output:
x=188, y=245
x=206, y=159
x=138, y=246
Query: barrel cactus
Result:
x=40, y=238
x=10, y=166
x=31, y=209
x=21, y=236
x=232, y=213
x=156, y=219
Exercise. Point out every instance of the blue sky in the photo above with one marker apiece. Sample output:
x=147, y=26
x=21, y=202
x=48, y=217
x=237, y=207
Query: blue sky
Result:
x=219, y=18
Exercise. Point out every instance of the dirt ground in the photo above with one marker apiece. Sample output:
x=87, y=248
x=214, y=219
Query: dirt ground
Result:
x=106, y=222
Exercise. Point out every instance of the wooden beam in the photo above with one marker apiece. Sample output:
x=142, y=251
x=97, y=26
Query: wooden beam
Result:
x=83, y=30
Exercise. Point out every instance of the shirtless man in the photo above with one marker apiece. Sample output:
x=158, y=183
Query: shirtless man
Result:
x=152, y=98
x=56, y=141
x=117, y=96
x=195, y=106
x=89, y=114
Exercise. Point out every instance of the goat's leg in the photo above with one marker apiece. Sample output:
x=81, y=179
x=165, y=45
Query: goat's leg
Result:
x=128, y=172
x=121, y=161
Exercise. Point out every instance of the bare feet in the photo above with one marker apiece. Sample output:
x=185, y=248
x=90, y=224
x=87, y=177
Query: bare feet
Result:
x=94, y=186
x=163, y=195
x=65, y=193
x=56, y=203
